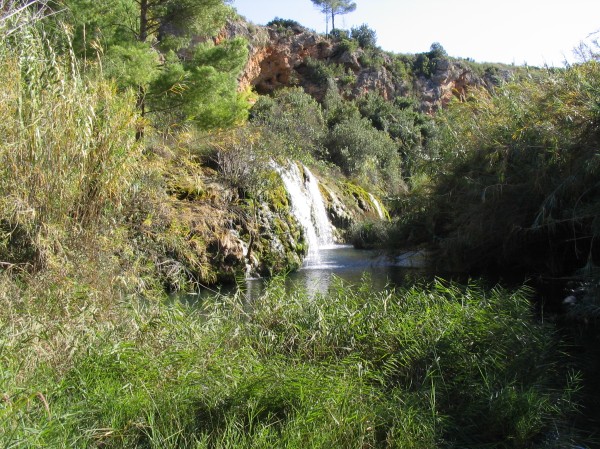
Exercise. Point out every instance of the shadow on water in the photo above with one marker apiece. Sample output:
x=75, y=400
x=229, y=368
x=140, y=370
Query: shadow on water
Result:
x=319, y=271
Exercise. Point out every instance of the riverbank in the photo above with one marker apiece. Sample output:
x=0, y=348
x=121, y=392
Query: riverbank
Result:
x=426, y=366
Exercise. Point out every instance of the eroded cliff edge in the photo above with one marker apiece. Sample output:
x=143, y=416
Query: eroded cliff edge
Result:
x=286, y=54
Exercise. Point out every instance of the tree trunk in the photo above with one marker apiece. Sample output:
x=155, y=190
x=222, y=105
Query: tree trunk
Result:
x=141, y=94
x=143, y=34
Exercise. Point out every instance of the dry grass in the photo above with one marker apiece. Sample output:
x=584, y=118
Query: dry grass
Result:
x=67, y=154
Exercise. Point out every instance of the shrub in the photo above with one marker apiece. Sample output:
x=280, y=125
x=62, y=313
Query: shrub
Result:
x=365, y=153
x=372, y=57
x=339, y=34
x=425, y=63
x=365, y=36
x=345, y=45
x=518, y=175
x=283, y=23
x=320, y=72
x=292, y=118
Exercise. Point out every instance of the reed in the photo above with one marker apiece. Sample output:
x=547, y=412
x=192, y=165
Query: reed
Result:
x=431, y=366
x=67, y=151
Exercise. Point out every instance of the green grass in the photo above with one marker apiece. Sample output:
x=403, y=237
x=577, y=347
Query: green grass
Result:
x=92, y=356
x=431, y=366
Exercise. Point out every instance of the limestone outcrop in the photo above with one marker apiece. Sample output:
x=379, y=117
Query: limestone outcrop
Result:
x=295, y=56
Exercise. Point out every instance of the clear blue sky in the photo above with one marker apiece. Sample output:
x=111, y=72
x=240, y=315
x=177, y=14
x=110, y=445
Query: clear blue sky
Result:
x=520, y=31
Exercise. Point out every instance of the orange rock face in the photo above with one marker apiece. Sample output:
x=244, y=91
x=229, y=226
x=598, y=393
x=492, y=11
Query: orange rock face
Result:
x=279, y=58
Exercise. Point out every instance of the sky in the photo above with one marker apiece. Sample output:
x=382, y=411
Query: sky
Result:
x=533, y=32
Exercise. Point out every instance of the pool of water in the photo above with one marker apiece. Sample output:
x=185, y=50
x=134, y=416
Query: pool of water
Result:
x=319, y=271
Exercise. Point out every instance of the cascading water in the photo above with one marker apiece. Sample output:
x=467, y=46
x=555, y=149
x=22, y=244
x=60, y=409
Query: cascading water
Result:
x=377, y=205
x=308, y=207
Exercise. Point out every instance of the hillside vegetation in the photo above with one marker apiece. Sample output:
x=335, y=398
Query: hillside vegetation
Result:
x=131, y=164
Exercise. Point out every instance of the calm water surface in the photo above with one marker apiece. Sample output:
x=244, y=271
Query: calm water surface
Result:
x=318, y=273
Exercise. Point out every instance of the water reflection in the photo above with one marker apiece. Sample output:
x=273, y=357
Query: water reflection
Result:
x=317, y=274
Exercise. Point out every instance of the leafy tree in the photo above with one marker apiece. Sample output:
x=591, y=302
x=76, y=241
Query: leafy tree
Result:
x=332, y=8
x=365, y=36
x=425, y=63
x=437, y=51
x=147, y=48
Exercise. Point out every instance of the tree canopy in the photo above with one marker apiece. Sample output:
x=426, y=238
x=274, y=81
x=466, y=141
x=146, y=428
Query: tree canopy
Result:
x=146, y=46
x=332, y=8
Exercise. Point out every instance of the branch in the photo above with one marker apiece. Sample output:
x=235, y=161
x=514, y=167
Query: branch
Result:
x=13, y=12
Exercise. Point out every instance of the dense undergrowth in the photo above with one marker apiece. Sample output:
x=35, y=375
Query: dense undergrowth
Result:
x=431, y=366
x=94, y=224
x=515, y=184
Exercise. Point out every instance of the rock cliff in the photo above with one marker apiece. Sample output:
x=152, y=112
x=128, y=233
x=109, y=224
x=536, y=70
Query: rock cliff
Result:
x=283, y=56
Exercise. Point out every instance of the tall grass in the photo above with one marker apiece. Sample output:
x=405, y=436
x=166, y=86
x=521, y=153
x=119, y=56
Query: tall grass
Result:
x=431, y=366
x=516, y=184
x=67, y=149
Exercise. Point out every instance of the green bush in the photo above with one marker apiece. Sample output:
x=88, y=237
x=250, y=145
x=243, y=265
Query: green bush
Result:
x=365, y=36
x=365, y=153
x=426, y=63
x=371, y=57
x=345, y=45
x=291, y=119
x=320, y=72
x=280, y=23
x=518, y=175
x=411, y=129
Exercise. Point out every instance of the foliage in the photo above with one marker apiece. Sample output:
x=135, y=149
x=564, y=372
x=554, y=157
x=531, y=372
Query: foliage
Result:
x=433, y=366
x=365, y=153
x=293, y=119
x=282, y=24
x=165, y=21
x=371, y=57
x=400, y=118
x=370, y=234
x=203, y=90
x=365, y=36
x=436, y=51
x=332, y=8
x=401, y=68
x=67, y=152
x=337, y=109
x=15, y=15
x=147, y=46
x=319, y=72
x=518, y=175
x=344, y=44
x=425, y=63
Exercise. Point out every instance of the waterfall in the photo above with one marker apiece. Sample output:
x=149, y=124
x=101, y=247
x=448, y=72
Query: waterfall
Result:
x=378, y=206
x=307, y=206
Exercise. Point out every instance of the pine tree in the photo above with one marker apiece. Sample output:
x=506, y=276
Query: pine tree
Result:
x=332, y=8
x=146, y=46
